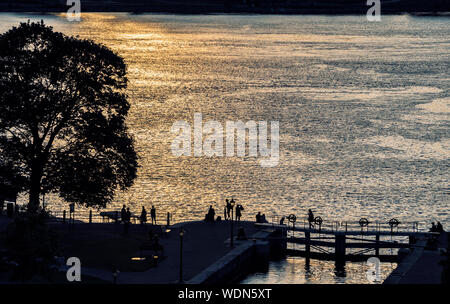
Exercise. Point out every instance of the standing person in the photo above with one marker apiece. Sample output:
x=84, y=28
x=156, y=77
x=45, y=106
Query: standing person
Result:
x=239, y=208
x=126, y=219
x=123, y=214
x=229, y=207
x=128, y=216
x=310, y=218
x=153, y=214
x=143, y=215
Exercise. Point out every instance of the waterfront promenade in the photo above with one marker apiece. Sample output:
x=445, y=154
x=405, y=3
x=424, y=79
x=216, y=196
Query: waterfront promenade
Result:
x=421, y=266
x=203, y=244
x=103, y=247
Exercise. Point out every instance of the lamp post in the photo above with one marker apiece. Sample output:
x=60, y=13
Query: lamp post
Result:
x=181, y=254
x=232, y=219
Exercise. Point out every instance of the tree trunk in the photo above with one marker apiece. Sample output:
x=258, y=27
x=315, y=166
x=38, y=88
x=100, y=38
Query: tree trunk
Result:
x=35, y=186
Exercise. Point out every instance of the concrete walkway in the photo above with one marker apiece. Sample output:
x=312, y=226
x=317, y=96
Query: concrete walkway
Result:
x=203, y=245
x=421, y=266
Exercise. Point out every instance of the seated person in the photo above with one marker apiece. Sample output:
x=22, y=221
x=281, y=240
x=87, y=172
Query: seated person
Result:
x=258, y=217
x=263, y=219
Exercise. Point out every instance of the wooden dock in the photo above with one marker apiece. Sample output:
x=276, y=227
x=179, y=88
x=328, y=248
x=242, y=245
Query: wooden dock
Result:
x=343, y=243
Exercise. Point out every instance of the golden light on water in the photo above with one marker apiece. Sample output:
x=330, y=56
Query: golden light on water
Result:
x=347, y=114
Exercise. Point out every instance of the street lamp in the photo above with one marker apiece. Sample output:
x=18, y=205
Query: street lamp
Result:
x=232, y=219
x=181, y=254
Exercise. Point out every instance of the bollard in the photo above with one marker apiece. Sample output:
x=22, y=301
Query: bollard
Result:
x=377, y=245
x=340, y=249
x=307, y=246
x=90, y=216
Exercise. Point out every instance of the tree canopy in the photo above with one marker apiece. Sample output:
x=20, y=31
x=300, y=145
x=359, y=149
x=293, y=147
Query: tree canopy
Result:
x=63, y=106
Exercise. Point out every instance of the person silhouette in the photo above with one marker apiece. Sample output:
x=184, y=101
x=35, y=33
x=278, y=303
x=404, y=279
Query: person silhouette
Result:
x=143, y=215
x=263, y=218
x=153, y=214
x=239, y=209
x=212, y=213
x=126, y=220
x=433, y=227
x=128, y=215
x=439, y=227
x=310, y=218
x=123, y=214
x=229, y=207
x=258, y=217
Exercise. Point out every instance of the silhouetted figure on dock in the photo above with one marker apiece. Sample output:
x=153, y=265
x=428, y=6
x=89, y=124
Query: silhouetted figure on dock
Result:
x=239, y=210
x=209, y=217
x=143, y=215
x=126, y=221
x=439, y=227
x=433, y=227
x=153, y=214
x=128, y=216
x=263, y=218
x=123, y=214
x=258, y=217
x=282, y=221
x=310, y=218
x=229, y=207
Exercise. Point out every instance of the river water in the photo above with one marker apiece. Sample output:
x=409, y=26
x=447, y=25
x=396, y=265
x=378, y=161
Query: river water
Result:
x=363, y=110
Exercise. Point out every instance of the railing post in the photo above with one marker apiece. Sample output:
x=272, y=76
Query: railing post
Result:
x=90, y=216
x=168, y=219
x=64, y=216
x=307, y=245
x=377, y=245
x=340, y=248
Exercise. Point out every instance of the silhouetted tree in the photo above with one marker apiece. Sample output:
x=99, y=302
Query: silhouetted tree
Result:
x=62, y=116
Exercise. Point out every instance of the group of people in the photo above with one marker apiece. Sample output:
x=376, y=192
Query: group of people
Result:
x=437, y=227
x=125, y=215
x=143, y=217
x=228, y=212
x=261, y=218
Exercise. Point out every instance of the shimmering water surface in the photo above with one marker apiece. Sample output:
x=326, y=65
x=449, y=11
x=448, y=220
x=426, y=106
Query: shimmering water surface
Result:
x=294, y=271
x=363, y=110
